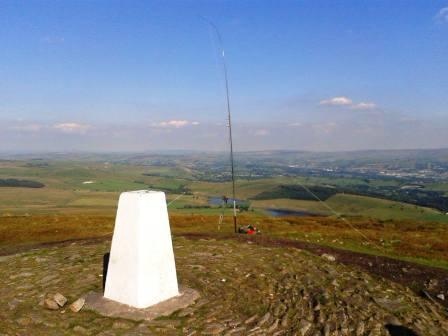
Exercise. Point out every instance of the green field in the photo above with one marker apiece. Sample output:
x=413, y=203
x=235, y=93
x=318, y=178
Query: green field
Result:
x=80, y=199
x=354, y=205
x=95, y=186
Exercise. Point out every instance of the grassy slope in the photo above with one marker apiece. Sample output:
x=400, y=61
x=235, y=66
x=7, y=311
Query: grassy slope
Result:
x=353, y=205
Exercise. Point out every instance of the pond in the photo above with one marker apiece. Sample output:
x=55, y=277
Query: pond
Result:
x=285, y=212
x=218, y=201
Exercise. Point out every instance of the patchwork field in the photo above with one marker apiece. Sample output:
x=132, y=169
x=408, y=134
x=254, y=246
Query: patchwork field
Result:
x=79, y=200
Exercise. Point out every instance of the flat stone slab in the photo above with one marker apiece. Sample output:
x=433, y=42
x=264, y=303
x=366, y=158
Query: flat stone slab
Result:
x=98, y=303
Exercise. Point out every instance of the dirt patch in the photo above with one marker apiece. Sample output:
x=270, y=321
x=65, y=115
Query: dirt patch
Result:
x=10, y=250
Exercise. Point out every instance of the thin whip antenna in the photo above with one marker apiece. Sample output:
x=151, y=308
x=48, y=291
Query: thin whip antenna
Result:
x=229, y=118
x=174, y=200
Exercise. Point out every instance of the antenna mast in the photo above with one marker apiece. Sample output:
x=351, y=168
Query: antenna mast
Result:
x=231, y=149
x=229, y=118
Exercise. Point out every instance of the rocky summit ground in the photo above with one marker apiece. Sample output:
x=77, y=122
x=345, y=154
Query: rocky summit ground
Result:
x=246, y=289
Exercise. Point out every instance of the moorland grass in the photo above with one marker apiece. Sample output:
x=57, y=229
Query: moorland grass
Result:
x=421, y=242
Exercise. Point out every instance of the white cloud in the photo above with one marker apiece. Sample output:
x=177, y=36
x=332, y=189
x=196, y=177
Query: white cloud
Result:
x=364, y=106
x=347, y=102
x=337, y=101
x=362, y=130
x=72, y=127
x=442, y=15
x=261, y=132
x=175, y=123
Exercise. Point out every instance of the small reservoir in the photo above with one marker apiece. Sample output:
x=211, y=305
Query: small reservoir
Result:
x=295, y=213
x=214, y=200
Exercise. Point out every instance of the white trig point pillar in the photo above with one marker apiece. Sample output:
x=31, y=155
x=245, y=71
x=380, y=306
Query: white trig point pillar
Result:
x=141, y=268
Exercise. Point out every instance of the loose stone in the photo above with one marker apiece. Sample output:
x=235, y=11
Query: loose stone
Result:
x=60, y=299
x=77, y=305
x=51, y=304
x=328, y=257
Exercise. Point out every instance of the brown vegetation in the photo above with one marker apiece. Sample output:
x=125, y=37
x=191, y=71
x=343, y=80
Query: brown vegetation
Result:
x=423, y=242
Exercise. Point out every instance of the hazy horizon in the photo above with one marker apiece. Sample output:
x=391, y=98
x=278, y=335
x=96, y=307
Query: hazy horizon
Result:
x=108, y=76
x=221, y=152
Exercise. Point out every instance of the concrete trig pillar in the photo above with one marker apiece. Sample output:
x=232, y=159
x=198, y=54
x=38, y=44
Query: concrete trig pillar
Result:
x=142, y=271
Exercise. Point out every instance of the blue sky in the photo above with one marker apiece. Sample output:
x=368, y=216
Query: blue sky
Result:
x=145, y=75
